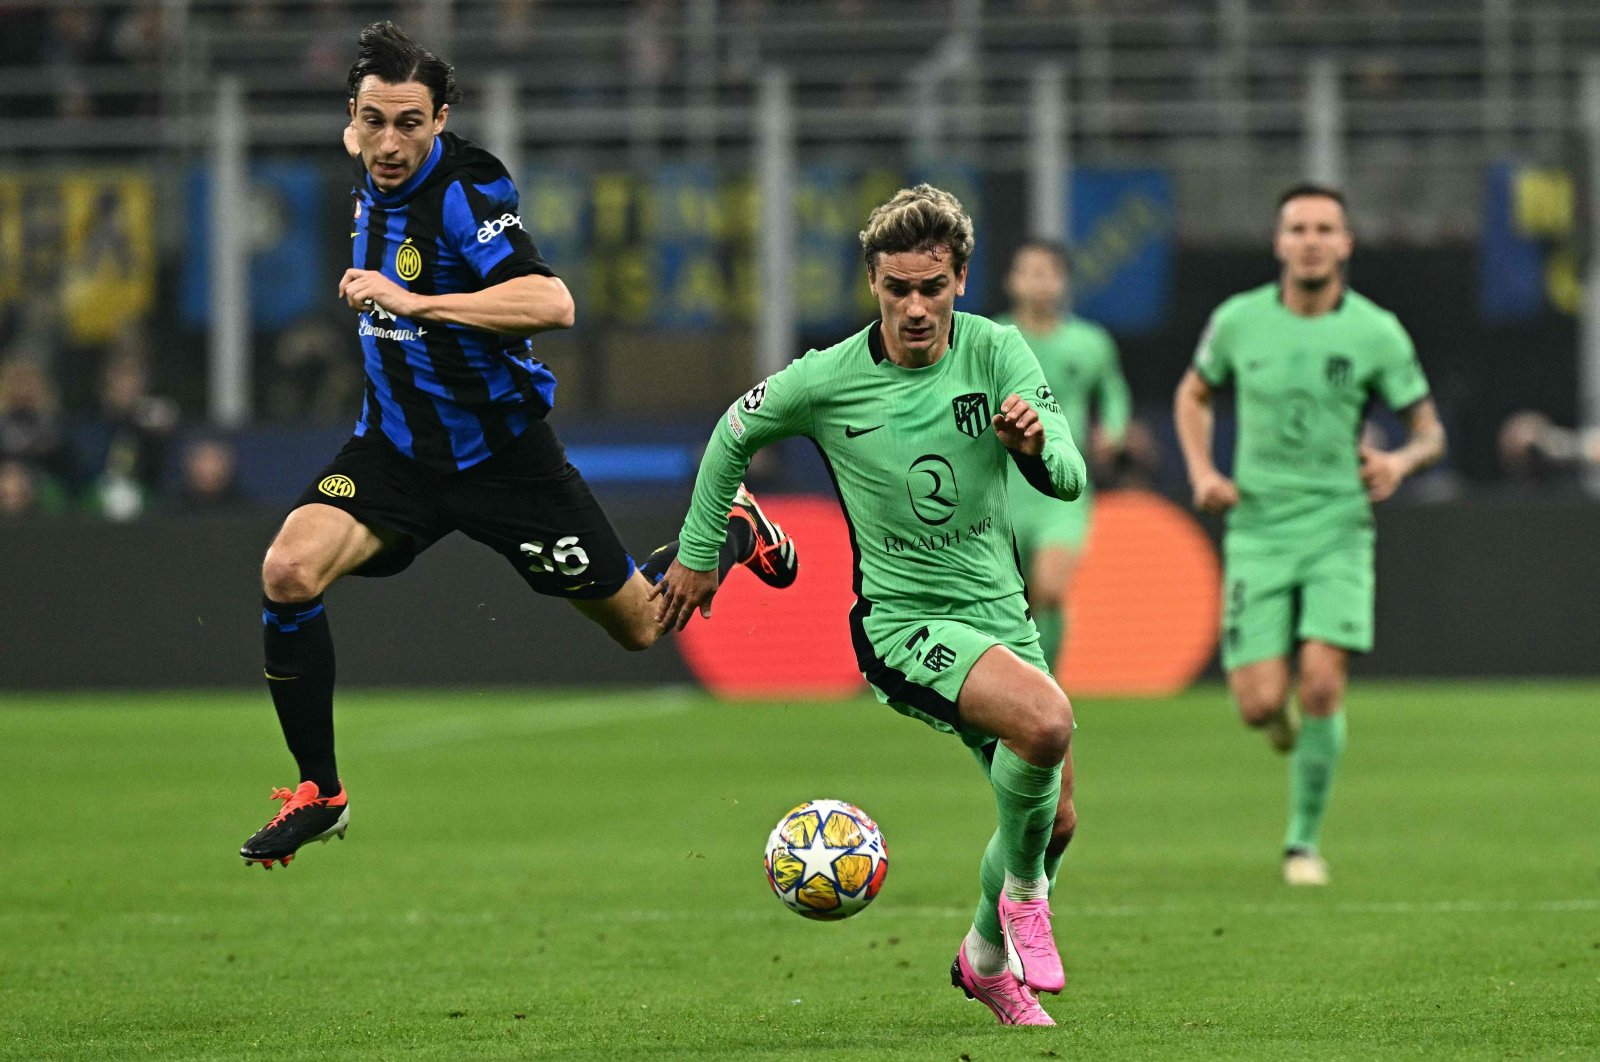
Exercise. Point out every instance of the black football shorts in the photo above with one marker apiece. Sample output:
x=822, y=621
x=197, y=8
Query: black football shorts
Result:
x=527, y=503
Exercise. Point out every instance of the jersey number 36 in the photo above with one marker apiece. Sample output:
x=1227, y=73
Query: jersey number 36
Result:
x=567, y=557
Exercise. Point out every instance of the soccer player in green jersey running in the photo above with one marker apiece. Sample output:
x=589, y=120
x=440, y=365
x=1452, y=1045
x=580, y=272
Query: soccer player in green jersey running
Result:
x=1079, y=359
x=1304, y=356
x=918, y=416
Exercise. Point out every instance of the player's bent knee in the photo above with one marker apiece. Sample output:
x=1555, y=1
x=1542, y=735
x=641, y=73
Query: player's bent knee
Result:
x=1259, y=701
x=1321, y=694
x=1256, y=716
x=285, y=577
x=1049, y=726
x=1258, y=708
x=636, y=639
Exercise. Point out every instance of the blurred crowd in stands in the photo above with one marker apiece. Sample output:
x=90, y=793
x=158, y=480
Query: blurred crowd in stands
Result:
x=87, y=431
x=126, y=451
x=113, y=462
x=83, y=51
x=116, y=429
x=70, y=45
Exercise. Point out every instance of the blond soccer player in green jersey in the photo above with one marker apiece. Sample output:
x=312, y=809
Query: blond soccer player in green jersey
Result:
x=1080, y=365
x=1304, y=355
x=919, y=416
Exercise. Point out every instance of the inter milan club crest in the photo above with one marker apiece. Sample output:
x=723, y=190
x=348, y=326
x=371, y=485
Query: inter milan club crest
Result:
x=408, y=262
x=972, y=413
x=1338, y=369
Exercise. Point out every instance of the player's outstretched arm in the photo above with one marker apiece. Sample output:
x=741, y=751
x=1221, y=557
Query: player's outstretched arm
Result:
x=1194, y=419
x=776, y=408
x=1383, y=471
x=691, y=579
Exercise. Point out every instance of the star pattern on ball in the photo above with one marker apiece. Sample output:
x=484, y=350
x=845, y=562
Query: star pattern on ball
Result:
x=817, y=857
x=826, y=860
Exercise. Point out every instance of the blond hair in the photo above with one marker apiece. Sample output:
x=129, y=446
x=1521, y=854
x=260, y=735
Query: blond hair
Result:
x=918, y=219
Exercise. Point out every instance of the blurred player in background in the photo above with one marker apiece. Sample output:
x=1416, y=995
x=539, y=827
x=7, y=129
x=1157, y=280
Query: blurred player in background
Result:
x=1080, y=364
x=1304, y=355
x=919, y=417
x=448, y=286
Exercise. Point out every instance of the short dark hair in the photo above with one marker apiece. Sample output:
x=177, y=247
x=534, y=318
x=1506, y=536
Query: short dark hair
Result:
x=1311, y=188
x=393, y=57
x=1054, y=248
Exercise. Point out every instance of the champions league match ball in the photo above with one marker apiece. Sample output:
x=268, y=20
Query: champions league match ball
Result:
x=826, y=860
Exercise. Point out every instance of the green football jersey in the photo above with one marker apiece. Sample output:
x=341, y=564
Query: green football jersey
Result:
x=1301, y=387
x=1080, y=362
x=920, y=473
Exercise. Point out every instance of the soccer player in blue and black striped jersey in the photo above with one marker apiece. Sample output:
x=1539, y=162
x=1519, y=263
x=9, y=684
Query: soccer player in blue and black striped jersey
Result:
x=448, y=288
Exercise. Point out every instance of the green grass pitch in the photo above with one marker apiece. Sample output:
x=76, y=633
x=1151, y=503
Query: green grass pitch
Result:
x=577, y=875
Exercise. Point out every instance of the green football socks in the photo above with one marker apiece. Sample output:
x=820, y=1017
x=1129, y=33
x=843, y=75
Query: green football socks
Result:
x=1026, y=797
x=992, y=880
x=1316, y=755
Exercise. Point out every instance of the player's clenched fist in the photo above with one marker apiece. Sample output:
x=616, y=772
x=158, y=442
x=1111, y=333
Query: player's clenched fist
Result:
x=1381, y=473
x=1215, y=493
x=362, y=289
x=1018, y=426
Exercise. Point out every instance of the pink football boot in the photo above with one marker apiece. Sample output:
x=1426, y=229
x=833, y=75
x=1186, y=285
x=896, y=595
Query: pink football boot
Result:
x=1011, y=1002
x=1031, y=954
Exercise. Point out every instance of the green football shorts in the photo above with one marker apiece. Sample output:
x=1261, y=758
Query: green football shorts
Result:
x=1277, y=594
x=918, y=667
x=1042, y=523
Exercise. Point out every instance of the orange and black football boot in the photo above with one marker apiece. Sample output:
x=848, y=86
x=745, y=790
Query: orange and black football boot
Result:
x=306, y=816
x=773, y=560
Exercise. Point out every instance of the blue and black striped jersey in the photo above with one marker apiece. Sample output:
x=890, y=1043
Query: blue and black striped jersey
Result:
x=444, y=395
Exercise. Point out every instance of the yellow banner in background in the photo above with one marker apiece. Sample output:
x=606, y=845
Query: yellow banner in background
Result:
x=85, y=241
x=11, y=286
x=676, y=248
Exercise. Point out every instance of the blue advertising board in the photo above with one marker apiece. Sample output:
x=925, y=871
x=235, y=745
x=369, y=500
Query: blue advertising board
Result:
x=281, y=217
x=1122, y=235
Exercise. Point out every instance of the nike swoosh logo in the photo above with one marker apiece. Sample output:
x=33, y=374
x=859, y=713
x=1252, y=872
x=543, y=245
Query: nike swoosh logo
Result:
x=580, y=586
x=851, y=433
x=279, y=678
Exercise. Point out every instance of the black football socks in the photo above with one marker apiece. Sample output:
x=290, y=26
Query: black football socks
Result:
x=299, y=658
x=739, y=547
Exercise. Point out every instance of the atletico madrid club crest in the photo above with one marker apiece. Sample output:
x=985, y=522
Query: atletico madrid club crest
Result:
x=1338, y=370
x=972, y=413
